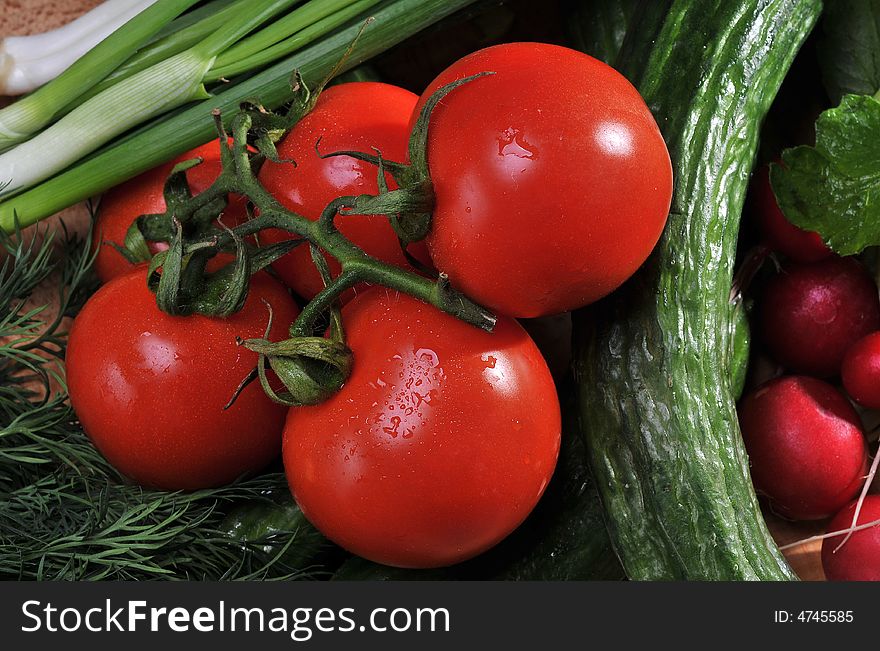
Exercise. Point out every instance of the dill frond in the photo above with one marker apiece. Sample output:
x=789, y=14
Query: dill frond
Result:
x=65, y=513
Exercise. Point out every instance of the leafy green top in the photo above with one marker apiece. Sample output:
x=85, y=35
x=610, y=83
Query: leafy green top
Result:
x=834, y=187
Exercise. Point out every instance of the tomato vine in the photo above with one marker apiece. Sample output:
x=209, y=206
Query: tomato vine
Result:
x=310, y=365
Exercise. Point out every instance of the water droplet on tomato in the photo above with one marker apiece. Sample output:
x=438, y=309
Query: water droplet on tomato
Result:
x=512, y=142
x=392, y=430
x=428, y=356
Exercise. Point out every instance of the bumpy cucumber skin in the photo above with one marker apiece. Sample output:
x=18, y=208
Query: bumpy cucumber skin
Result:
x=740, y=347
x=653, y=361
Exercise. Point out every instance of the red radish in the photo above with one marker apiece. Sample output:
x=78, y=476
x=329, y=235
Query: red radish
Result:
x=861, y=371
x=812, y=313
x=780, y=234
x=805, y=443
x=859, y=558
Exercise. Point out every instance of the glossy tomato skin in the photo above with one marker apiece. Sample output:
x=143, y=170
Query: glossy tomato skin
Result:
x=438, y=446
x=150, y=388
x=142, y=195
x=859, y=558
x=356, y=116
x=552, y=180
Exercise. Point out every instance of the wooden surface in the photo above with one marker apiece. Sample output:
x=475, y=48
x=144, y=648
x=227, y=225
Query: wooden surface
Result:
x=19, y=17
x=804, y=559
x=30, y=16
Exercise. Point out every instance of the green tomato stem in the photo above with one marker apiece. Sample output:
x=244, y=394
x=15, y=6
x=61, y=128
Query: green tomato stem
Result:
x=357, y=266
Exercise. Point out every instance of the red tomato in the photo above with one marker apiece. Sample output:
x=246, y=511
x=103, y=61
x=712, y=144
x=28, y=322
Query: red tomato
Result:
x=552, y=180
x=142, y=195
x=149, y=388
x=355, y=116
x=438, y=446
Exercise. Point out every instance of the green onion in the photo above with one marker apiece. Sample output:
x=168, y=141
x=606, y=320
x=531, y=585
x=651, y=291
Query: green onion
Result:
x=254, y=14
x=22, y=119
x=306, y=25
x=161, y=87
x=202, y=12
x=27, y=62
x=187, y=34
x=395, y=20
x=164, y=86
x=153, y=91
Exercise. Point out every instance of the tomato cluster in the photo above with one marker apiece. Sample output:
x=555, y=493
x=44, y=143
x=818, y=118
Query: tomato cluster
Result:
x=551, y=185
x=143, y=195
x=819, y=321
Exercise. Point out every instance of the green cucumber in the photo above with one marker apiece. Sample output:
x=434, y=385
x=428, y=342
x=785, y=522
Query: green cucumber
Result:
x=654, y=360
x=275, y=528
x=740, y=347
x=598, y=27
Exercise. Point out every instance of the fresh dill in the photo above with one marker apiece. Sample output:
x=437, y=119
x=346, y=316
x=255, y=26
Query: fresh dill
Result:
x=65, y=513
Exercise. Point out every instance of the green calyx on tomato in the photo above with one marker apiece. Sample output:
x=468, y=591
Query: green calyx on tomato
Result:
x=409, y=207
x=150, y=388
x=310, y=367
x=439, y=445
x=128, y=230
x=365, y=115
x=549, y=178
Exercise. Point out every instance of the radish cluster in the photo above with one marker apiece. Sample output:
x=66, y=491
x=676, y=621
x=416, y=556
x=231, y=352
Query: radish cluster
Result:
x=819, y=321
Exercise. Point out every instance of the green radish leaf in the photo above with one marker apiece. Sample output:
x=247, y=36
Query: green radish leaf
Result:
x=834, y=187
x=849, y=47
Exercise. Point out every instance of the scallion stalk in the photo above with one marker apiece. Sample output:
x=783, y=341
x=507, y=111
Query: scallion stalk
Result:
x=228, y=34
x=280, y=29
x=305, y=25
x=22, y=119
x=105, y=16
x=394, y=21
x=195, y=15
x=151, y=92
x=29, y=65
x=174, y=42
x=164, y=86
